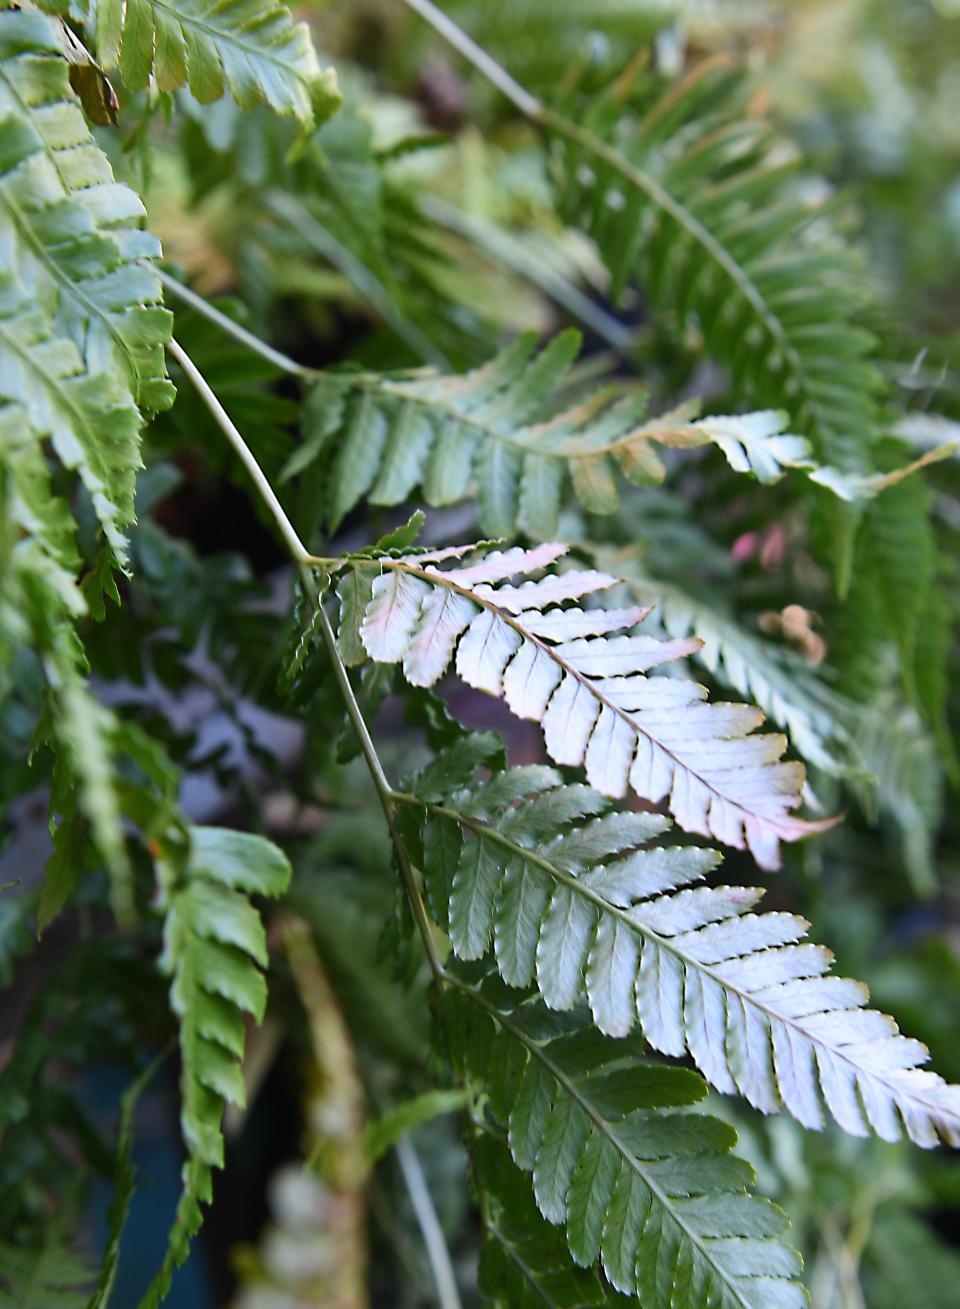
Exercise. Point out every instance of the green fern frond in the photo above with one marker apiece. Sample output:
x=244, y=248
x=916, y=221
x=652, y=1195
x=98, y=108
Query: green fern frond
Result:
x=691, y=195
x=251, y=47
x=123, y=1188
x=576, y=900
x=215, y=951
x=53, y=1277
x=82, y=326
x=589, y=689
x=39, y=604
x=90, y=420
x=494, y=432
x=652, y=1194
x=82, y=254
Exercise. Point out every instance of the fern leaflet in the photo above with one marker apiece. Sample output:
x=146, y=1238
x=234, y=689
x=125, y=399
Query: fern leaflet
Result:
x=254, y=49
x=496, y=427
x=589, y=690
x=524, y=1262
x=652, y=1193
x=589, y=907
x=214, y=950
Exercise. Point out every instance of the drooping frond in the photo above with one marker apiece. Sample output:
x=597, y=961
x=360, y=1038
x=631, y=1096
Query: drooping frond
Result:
x=39, y=603
x=253, y=48
x=78, y=246
x=214, y=951
x=564, y=668
x=82, y=326
x=576, y=900
x=690, y=194
x=497, y=433
x=651, y=1193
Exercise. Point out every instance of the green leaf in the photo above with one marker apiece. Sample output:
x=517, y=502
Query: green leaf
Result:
x=214, y=949
x=653, y=1195
x=253, y=48
x=81, y=249
x=239, y=860
x=524, y=1263
x=123, y=1189
x=384, y=1132
x=500, y=430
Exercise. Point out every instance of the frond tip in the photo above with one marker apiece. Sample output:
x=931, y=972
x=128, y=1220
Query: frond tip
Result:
x=565, y=668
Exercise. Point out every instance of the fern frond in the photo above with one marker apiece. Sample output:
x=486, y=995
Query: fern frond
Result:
x=214, y=951
x=82, y=254
x=588, y=907
x=90, y=420
x=494, y=431
x=53, y=1277
x=251, y=47
x=39, y=604
x=589, y=689
x=651, y=1193
x=691, y=195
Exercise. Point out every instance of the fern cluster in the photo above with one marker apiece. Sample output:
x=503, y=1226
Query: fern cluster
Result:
x=581, y=976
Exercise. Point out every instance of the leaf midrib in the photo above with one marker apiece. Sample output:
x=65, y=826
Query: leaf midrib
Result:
x=394, y=387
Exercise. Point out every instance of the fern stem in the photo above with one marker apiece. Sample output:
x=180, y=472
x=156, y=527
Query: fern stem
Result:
x=386, y=796
x=483, y=62
x=296, y=547
x=444, y=1278
x=234, y=329
x=305, y=561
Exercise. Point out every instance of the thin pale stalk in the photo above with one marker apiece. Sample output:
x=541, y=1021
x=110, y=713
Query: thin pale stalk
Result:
x=305, y=561
x=231, y=328
x=223, y=420
x=444, y=1278
x=527, y=104
x=385, y=794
